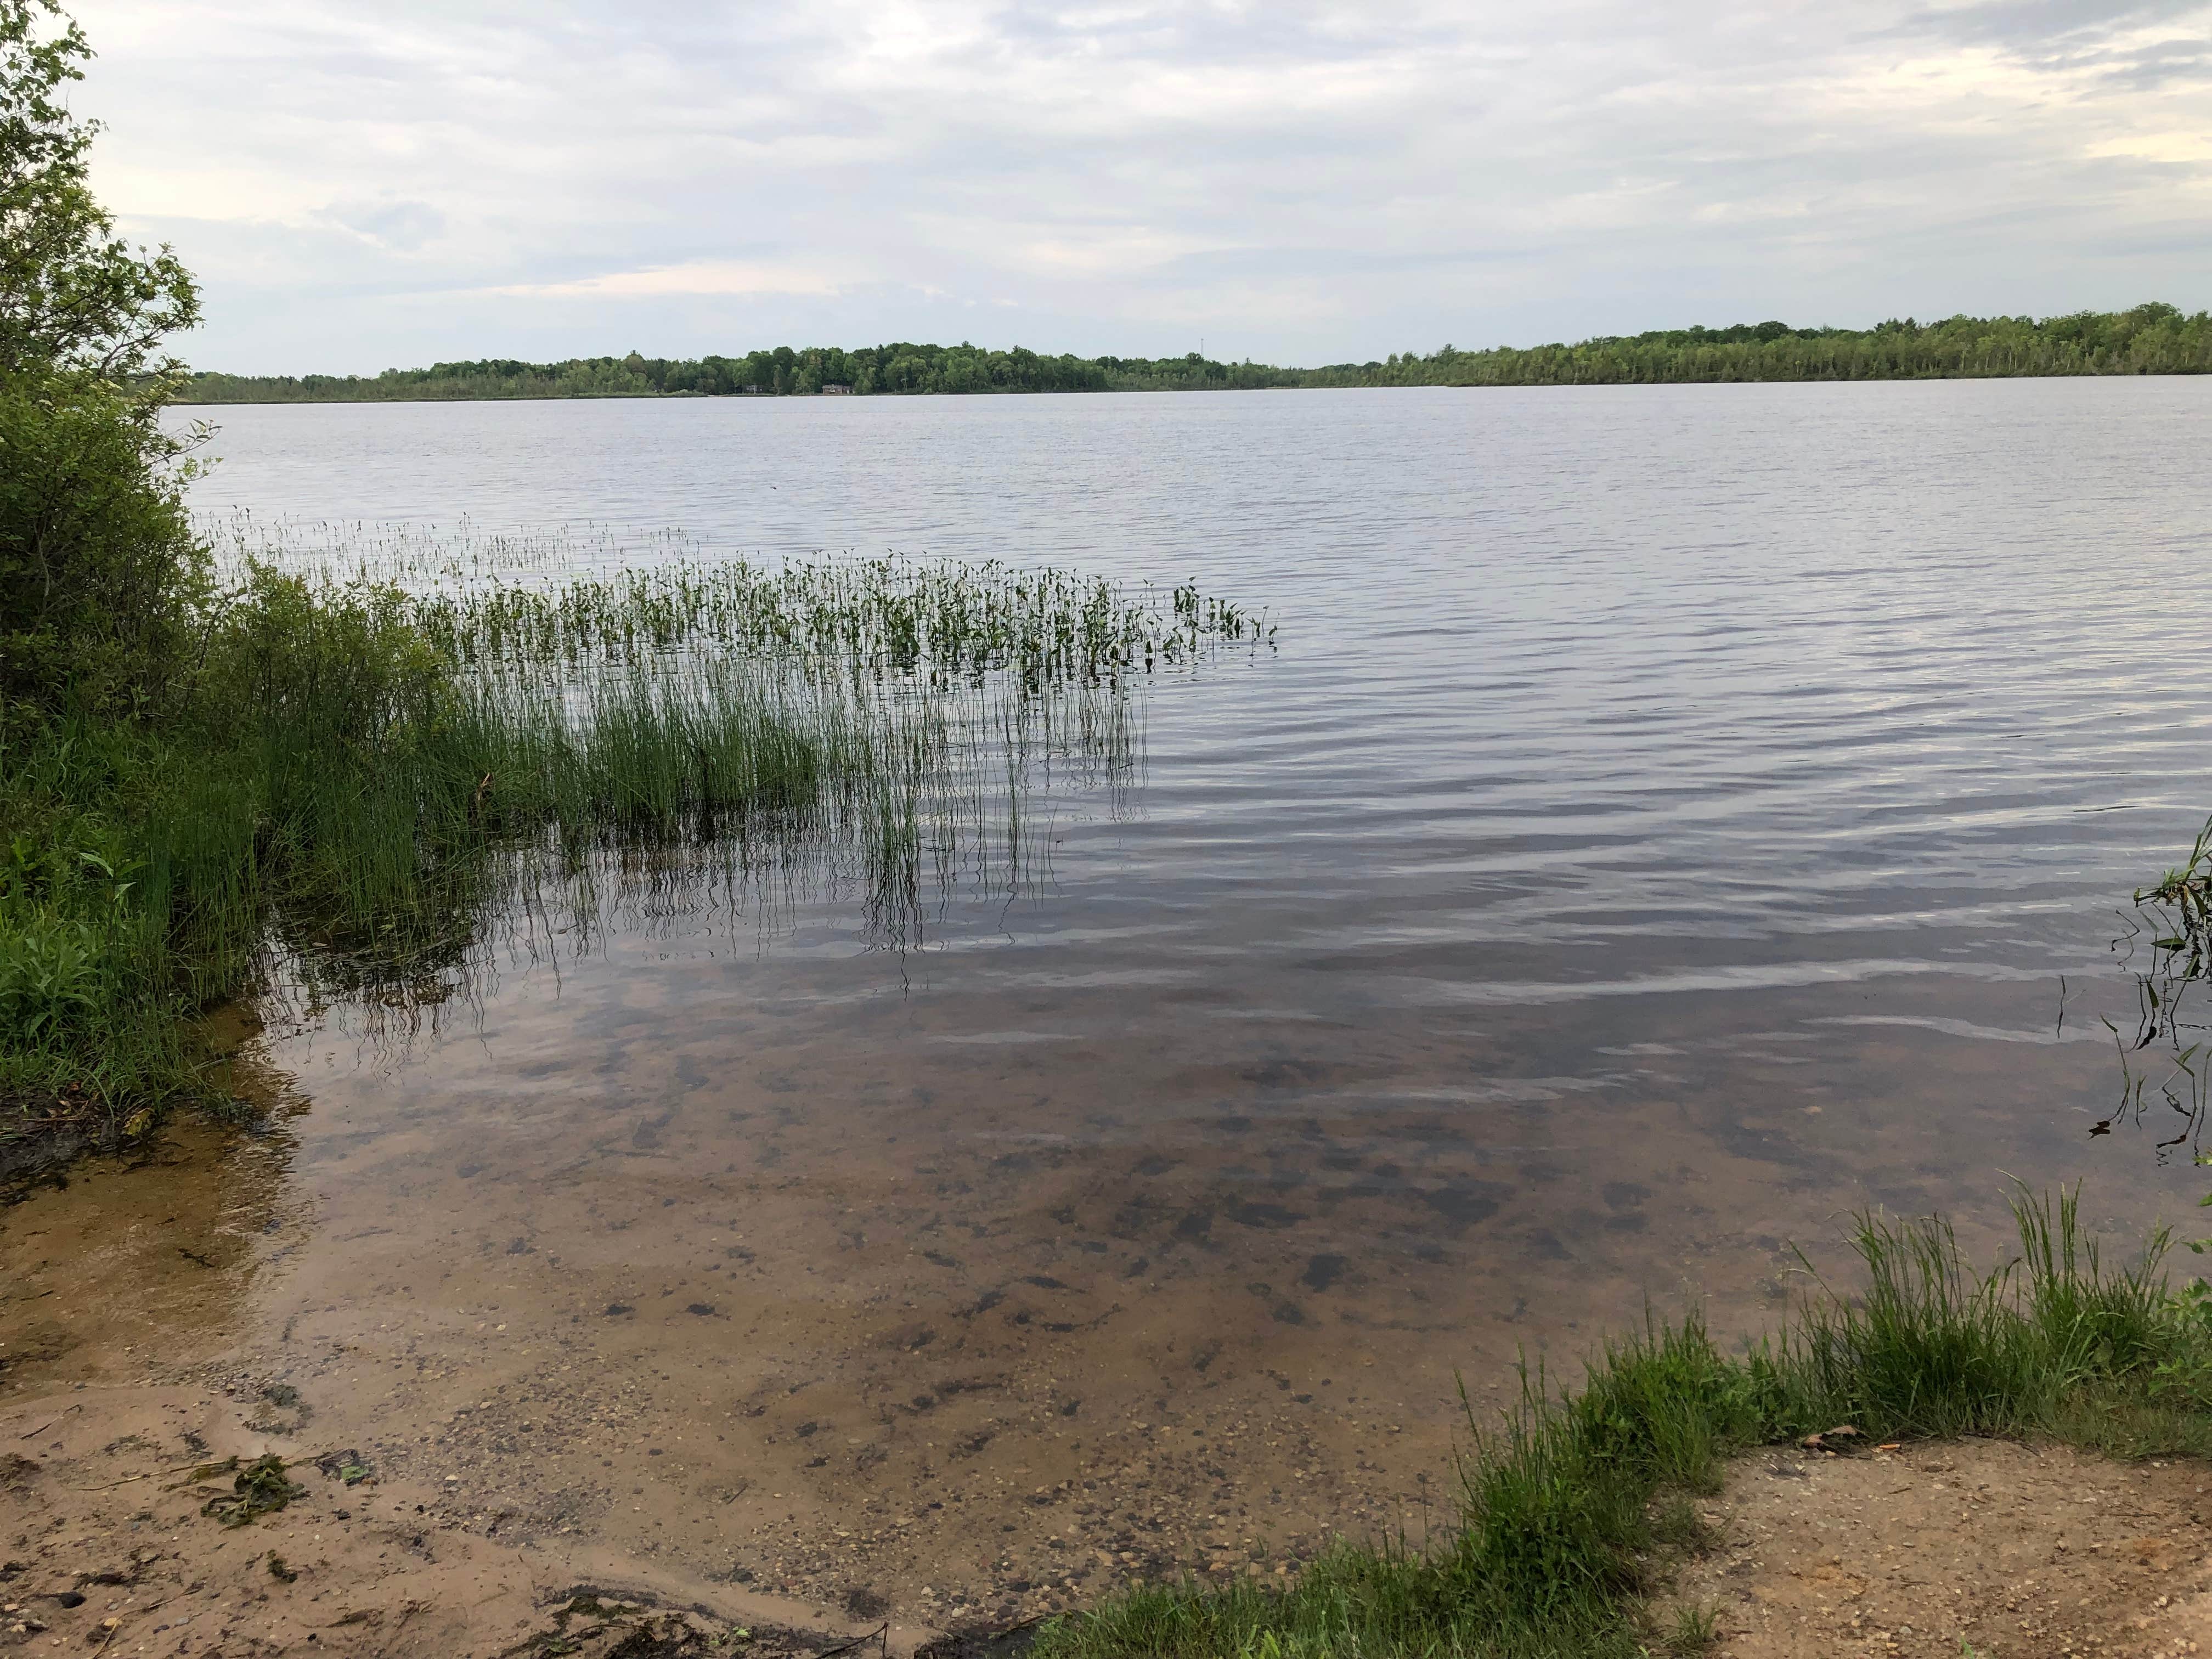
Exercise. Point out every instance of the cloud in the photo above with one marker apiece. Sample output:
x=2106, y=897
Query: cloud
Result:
x=401, y=227
x=706, y=276
x=2041, y=24
x=2182, y=150
x=1296, y=180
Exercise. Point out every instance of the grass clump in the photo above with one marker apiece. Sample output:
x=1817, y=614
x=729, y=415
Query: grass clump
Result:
x=555, y=598
x=1572, y=1505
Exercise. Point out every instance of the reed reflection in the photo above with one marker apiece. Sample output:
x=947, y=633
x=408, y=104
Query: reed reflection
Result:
x=640, y=750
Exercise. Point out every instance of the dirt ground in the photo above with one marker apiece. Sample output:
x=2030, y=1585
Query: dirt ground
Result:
x=1970, y=1548
x=107, y=1546
x=730, y=1409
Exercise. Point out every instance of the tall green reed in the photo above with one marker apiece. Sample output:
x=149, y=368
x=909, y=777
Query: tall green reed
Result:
x=389, y=750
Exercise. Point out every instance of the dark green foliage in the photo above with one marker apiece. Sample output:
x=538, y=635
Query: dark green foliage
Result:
x=99, y=579
x=95, y=561
x=76, y=932
x=74, y=298
x=1573, y=1506
x=99, y=569
x=780, y=373
x=2151, y=339
x=2154, y=338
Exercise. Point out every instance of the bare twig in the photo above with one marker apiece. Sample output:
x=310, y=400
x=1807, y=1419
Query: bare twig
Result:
x=111, y=1484
x=831, y=1653
x=48, y=1424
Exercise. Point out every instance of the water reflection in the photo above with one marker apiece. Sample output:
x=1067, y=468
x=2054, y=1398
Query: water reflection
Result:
x=999, y=773
x=640, y=748
x=2164, y=1061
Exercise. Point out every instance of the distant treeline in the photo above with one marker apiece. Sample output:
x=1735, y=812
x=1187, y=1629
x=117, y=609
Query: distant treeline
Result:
x=2150, y=339
x=780, y=373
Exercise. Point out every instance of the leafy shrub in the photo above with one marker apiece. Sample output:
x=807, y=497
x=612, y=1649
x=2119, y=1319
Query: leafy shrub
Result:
x=98, y=569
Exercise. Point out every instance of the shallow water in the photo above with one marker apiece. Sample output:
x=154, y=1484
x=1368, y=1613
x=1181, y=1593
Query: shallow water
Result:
x=1672, y=818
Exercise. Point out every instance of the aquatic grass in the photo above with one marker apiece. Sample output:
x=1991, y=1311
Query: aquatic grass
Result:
x=1572, y=1507
x=886, y=614
x=419, y=558
x=2163, y=1061
x=358, y=788
x=578, y=596
x=507, y=781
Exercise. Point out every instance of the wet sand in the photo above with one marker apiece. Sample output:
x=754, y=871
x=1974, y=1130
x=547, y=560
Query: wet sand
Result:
x=916, y=1328
x=105, y=1545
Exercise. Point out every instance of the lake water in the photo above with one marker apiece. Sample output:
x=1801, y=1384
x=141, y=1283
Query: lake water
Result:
x=1782, y=726
x=1671, y=818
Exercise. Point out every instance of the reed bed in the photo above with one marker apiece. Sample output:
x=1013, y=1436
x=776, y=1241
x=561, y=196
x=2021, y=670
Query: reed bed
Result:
x=386, y=755
x=576, y=739
x=422, y=557
x=885, y=614
x=573, y=598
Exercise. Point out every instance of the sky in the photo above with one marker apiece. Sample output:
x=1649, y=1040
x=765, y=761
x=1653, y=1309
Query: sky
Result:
x=362, y=186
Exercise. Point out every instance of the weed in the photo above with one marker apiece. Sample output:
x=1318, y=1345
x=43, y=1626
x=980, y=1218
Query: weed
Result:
x=1572, y=1502
x=261, y=1488
x=1693, y=1630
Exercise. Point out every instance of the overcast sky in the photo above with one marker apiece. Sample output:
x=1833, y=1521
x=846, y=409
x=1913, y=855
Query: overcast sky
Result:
x=365, y=185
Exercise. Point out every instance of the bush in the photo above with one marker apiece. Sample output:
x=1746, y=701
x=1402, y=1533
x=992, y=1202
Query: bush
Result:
x=147, y=843
x=100, y=571
x=98, y=566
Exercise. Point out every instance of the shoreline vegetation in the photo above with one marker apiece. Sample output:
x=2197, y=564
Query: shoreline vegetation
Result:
x=1577, y=1509
x=2154, y=338
x=327, y=784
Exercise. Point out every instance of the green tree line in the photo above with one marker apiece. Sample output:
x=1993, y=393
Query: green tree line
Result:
x=2154, y=338
x=902, y=367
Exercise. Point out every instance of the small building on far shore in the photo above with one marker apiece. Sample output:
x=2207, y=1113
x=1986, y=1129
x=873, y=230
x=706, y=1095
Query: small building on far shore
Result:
x=835, y=391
